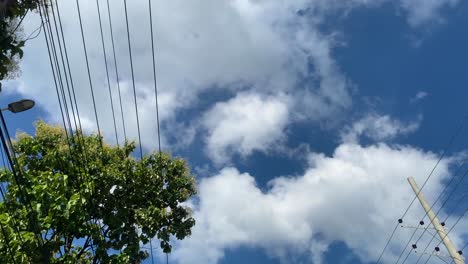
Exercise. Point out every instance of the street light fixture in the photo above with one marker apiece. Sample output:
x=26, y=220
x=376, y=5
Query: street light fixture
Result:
x=20, y=106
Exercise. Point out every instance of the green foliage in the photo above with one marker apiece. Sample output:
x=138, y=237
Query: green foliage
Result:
x=90, y=203
x=11, y=47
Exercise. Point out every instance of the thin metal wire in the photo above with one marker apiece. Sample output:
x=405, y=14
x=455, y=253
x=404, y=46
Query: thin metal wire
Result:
x=116, y=70
x=59, y=72
x=89, y=73
x=107, y=72
x=456, y=223
x=449, y=145
x=11, y=157
x=133, y=79
x=154, y=75
x=407, y=244
x=78, y=126
x=443, y=204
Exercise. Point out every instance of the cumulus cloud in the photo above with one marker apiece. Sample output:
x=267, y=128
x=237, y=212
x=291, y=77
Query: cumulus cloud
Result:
x=378, y=128
x=344, y=197
x=246, y=123
x=237, y=45
x=261, y=46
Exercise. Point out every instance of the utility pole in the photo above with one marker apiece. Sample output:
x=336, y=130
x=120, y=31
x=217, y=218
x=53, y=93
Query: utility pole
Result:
x=457, y=258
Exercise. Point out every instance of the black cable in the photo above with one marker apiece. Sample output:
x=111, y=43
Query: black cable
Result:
x=68, y=78
x=442, y=259
x=457, y=132
x=59, y=72
x=450, y=230
x=4, y=192
x=465, y=246
x=107, y=72
x=443, y=204
x=155, y=93
x=38, y=30
x=9, y=151
x=77, y=126
x=133, y=79
x=116, y=70
x=407, y=244
x=17, y=26
x=154, y=75
x=19, y=23
x=89, y=72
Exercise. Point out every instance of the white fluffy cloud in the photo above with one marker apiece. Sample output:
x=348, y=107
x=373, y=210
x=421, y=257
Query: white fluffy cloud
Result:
x=345, y=197
x=262, y=46
x=244, y=124
x=378, y=128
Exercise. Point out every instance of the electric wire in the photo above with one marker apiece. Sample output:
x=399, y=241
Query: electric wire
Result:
x=116, y=70
x=450, y=230
x=61, y=89
x=155, y=96
x=448, y=215
x=73, y=100
x=443, y=204
x=89, y=72
x=407, y=244
x=19, y=23
x=154, y=75
x=442, y=259
x=449, y=145
x=9, y=151
x=133, y=79
x=15, y=226
x=68, y=77
x=4, y=192
x=37, y=31
x=107, y=72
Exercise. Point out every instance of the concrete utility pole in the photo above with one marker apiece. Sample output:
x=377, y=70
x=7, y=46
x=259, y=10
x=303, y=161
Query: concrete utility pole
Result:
x=457, y=258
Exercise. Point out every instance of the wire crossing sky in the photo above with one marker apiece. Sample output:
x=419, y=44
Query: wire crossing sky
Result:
x=301, y=119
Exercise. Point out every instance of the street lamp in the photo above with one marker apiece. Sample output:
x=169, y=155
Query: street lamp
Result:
x=20, y=106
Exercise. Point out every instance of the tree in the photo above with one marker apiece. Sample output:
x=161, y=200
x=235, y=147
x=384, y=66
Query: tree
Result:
x=12, y=13
x=89, y=201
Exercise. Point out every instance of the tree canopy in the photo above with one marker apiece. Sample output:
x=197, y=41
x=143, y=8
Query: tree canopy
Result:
x=12, y=13
x=75, y=199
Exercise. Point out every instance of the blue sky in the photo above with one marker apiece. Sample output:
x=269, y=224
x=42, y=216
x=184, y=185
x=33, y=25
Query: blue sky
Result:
x=301, y=119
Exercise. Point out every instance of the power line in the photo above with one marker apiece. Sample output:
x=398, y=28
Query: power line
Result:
x=437, y=199
x=404, y=249
x=73, y=101
x=8, y=147
x=133, y=78
x=155, y=97
x=57, y=68
x=38, y=30
x=450, y=230
x=89, y=73
x=154, y=75
x=116, y=70
x=448, y=215
x=452, y=139
x=107, y=72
